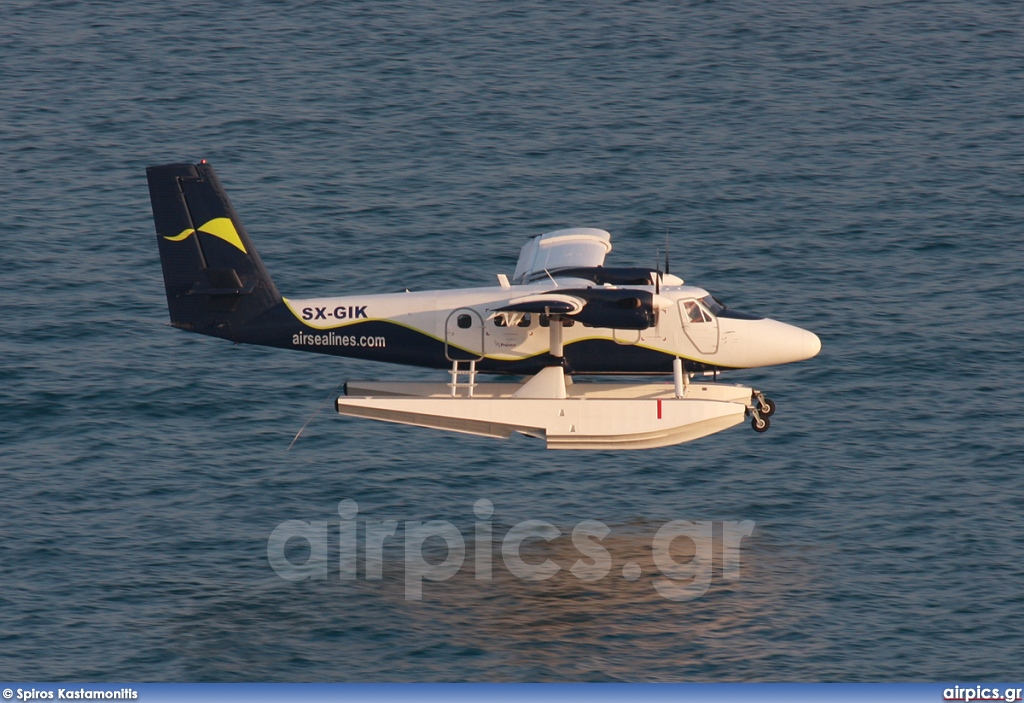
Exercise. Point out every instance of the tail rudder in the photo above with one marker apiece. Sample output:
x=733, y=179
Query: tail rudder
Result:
x=215, y=280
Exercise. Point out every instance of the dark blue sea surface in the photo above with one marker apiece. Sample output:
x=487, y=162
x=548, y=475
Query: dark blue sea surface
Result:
x=854, y=168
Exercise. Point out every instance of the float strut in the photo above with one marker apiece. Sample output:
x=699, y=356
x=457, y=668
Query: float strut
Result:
x=680, y=378
x=555, y=333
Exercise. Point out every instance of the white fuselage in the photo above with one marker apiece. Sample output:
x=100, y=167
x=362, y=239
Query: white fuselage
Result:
x=465, y=319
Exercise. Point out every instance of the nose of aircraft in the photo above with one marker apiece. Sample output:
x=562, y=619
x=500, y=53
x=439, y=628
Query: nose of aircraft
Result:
x=812, y=345
x=779, y=343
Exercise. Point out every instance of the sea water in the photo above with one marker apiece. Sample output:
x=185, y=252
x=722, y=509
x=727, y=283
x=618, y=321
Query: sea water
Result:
x=852, y=168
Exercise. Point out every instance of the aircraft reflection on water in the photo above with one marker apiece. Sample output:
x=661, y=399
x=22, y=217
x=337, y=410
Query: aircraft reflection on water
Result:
x=682, y=579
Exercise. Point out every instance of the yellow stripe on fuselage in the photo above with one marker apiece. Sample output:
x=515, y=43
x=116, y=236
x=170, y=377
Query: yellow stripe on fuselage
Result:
x=492, y=356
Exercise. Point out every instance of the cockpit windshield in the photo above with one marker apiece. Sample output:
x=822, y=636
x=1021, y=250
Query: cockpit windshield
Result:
x=704, y=310
x=719, y=309
x=712, y=304
x=693, y=311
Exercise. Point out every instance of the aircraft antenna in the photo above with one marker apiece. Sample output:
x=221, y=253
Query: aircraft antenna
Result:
x=657, y=274
x=315, y=412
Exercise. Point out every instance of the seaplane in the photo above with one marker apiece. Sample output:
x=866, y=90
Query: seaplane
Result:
x=553, y=329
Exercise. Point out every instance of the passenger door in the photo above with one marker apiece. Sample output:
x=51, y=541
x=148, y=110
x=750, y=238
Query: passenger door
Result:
x=464, y=335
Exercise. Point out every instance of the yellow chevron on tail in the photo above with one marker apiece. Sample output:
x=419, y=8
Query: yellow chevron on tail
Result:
x=220, y=227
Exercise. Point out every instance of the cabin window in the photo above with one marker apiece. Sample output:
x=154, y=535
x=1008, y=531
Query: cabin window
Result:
x=526, y=321
x=499, y=321
x=464, y=321
x=545, y=321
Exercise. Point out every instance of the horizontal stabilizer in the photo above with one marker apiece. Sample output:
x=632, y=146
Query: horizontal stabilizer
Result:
x=221, y=282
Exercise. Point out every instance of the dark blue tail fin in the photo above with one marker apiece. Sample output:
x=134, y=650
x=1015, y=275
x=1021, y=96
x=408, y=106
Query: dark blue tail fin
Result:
x=216, y=283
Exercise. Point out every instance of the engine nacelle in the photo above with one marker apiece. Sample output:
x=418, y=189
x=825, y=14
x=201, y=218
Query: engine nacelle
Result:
x=619, y=309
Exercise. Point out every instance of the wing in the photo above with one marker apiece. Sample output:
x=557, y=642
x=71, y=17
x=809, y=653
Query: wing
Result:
x=550, y=303
x=613, y=308
x=564, y=248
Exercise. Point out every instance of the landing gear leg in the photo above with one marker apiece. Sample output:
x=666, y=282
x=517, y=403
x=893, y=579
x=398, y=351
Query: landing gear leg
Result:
x=759, y=422
x=760, y=409
x=765, y=406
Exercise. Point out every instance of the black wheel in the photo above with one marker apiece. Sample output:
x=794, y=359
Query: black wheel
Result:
x=760, y=424
x=767, y=408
